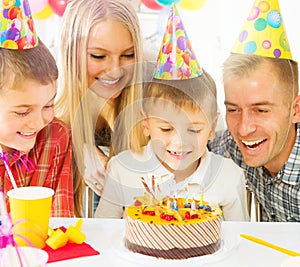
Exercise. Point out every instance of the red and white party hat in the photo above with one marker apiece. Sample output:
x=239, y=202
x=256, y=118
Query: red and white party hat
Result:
x=17, y=29
x=263, y=33
x=176, y=59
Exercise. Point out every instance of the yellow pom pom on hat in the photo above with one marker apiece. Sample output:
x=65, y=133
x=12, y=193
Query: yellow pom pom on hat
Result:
x=17, y=29
x=263, y=33
x=176, y=59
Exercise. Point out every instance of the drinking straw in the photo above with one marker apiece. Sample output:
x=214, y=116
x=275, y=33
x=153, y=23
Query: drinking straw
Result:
x=5, y=160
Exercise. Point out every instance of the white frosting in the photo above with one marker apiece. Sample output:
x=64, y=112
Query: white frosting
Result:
x=166, y=236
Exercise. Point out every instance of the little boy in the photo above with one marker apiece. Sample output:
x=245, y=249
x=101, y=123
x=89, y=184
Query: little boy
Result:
x=179, y=118
x=36, y=146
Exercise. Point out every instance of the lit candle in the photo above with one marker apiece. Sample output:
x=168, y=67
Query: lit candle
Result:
x=201, y=200
x=193, y=206
x=175, y=207
x=187, y=199
x=187, y=204
x=168, y=204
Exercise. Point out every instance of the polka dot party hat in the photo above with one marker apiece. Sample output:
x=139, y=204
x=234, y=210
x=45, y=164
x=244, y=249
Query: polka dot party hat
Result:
x=17, y=29
x=176, y=59
x=263, y=34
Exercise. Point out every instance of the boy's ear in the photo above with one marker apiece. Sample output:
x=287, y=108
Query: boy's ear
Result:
x=145, y=124
x=296, y=110
x=213, y=127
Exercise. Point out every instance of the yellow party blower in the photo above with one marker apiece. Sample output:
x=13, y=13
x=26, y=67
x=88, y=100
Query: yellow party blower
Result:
x=57, y=238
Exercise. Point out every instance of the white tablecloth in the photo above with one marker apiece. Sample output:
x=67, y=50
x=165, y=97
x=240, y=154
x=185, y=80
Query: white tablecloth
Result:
x=106, y=236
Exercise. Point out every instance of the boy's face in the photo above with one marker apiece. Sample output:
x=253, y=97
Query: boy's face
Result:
x=24, y=112
x=179, y=136
x=110, y=58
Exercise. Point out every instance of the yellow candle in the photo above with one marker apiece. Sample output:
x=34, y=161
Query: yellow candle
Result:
x=201, y=199
x=168, y=204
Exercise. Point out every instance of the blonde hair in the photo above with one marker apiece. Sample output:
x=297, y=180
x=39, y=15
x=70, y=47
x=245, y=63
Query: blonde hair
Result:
x=73, y=107
x=196, y=93
x=286, y=70
x=36, y=64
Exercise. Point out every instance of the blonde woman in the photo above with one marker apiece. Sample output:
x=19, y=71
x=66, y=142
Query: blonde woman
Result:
x=100, y=85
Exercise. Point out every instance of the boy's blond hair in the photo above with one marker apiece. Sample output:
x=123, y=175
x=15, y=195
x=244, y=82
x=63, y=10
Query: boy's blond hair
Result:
x=35, y=64
x=197, y=93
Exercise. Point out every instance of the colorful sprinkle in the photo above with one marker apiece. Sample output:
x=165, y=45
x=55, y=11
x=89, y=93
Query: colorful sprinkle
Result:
x=207, y=208
x=188, y=205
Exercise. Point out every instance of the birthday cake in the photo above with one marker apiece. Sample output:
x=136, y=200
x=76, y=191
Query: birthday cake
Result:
x=175, y=228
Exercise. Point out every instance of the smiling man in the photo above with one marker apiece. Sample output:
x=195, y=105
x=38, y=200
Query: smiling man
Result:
x=263, y=113
x=263, y=136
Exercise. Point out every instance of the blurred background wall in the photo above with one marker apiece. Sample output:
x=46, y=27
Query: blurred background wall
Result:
x=212, y=26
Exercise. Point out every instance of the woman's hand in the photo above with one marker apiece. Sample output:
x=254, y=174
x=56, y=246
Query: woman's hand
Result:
x=95, y=168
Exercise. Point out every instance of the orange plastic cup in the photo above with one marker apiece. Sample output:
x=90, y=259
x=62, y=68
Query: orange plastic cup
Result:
x=30, y=209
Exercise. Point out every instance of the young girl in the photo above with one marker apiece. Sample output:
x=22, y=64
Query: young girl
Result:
x=35, y=145
x=100, y=46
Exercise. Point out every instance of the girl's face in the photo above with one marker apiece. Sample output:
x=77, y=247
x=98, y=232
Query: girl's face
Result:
x=110, y=58
x=24, y=112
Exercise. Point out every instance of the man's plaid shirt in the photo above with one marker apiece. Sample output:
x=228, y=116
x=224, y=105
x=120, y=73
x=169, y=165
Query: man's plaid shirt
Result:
x=279, y=196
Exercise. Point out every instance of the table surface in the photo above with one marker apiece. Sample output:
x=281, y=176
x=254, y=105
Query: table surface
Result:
x=106, y=236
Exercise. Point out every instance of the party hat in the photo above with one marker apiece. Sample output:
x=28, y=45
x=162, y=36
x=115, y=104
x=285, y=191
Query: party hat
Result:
x=17, y=29
x=263, y=34
x=176, y=59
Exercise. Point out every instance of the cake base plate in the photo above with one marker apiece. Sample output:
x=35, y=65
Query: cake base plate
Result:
x=229, y=243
